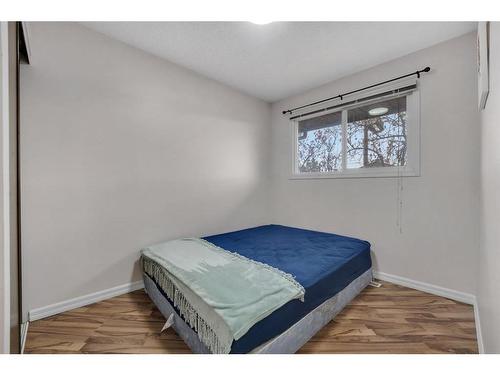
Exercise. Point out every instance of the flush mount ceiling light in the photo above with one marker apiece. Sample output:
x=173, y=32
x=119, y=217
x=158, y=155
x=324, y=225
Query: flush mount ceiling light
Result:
x=261, y=22
x=379, y=111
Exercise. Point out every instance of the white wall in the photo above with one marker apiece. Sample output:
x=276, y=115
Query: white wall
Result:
x=489, y=260
x=119, y=150
x=439, y=243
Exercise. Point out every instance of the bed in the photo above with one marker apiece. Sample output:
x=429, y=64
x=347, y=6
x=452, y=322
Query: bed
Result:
x=332, y=269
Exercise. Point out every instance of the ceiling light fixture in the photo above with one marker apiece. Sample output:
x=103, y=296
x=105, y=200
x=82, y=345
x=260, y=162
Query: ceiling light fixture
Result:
x=261, y=22
x=379, y=111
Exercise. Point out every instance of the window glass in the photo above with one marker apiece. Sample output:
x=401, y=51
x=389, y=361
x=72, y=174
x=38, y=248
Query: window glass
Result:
x=320, y=143
x=376, y=135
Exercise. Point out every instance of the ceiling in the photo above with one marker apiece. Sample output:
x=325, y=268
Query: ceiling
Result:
x=280, y=59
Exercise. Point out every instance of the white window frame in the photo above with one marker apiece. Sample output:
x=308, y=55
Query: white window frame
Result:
x=412, y=167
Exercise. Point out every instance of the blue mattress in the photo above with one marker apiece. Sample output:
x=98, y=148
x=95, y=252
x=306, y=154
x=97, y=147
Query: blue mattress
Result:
x=323, y=263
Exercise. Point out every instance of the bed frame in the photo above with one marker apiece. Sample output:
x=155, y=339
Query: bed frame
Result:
x=287, y=342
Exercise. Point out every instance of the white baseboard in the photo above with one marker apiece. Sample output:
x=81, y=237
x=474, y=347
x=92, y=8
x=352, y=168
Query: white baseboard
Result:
x=57, y=308
x=479, y=333
x=424, y=287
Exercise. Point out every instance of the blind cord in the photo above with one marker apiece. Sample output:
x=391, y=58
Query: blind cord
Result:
x=399, y=187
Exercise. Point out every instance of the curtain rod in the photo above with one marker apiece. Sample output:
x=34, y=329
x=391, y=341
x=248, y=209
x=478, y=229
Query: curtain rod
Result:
x=364, y=99
x=341, y=96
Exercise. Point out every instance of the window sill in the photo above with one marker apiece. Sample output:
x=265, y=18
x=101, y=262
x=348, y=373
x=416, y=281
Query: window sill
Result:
x=392, y=173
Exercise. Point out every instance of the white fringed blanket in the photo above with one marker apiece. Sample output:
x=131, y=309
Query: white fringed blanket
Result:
x=220, y=294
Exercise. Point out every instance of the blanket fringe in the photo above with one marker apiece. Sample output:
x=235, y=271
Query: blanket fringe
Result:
x=205, y=332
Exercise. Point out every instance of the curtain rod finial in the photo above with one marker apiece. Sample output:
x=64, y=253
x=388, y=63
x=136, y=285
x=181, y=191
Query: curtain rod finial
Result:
x=427, y=69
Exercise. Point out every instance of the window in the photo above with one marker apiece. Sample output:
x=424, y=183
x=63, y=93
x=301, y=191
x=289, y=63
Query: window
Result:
x=370, y=138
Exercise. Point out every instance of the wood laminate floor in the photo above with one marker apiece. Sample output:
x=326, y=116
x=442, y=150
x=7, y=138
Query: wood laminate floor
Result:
x=390, y=319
